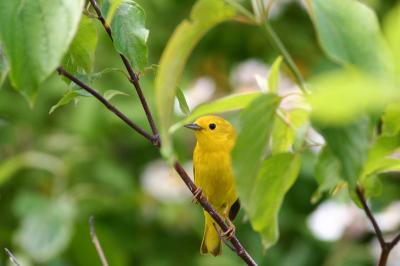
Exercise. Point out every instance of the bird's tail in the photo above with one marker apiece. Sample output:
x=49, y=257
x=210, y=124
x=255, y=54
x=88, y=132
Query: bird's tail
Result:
x=211, y=241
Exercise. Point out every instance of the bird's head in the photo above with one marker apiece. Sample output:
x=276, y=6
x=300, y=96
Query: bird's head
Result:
x=213, y=133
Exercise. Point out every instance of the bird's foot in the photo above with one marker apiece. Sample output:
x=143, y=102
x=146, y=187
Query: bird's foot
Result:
x=196, y=194
x=230, y=232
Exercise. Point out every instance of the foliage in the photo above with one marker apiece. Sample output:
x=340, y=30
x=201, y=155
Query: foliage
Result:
x=130, y=34
x=35, y=35
x=56, y=170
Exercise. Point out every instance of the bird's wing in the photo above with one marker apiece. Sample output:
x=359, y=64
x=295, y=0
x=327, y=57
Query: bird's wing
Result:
x=234, y=210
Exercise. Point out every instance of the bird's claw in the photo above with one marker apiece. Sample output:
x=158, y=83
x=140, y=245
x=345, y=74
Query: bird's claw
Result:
x=196, y=193
x=228, y=234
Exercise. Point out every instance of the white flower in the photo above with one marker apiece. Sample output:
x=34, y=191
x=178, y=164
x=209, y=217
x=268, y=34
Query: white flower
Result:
x=163, y=183
x=332, y=219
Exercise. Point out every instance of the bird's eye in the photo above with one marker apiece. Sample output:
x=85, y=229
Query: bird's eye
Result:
x=212, y=126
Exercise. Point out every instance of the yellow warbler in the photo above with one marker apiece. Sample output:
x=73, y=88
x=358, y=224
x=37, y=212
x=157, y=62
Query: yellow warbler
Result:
x=213, y=175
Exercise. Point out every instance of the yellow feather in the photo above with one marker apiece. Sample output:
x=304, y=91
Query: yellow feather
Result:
x=213, y=173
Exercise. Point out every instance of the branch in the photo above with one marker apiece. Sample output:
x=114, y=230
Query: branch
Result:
x=395, y=241
x=96, y=242
x=133, y=78
x=240, y=250
x=371, y=217
x=385, y=246
x=109, y=106
x=12, y=257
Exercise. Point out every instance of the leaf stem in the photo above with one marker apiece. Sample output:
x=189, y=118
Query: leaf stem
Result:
x=241, y=10
x=258, y=9
x=277, y=44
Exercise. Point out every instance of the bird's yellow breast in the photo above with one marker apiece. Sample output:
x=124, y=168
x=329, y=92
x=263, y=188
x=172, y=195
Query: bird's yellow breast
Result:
x=213, y=173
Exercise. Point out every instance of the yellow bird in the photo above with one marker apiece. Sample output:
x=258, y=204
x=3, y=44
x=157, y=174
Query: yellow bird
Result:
x=214, y=177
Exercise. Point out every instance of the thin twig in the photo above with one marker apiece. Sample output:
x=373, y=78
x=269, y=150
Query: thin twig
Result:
x=12, y=257
x=395, y=241
x=371, y=217
x=223, y=239
x=100, y=17
x=133, y=78
x=112, y=108
x=386, y=247
x=96, y=242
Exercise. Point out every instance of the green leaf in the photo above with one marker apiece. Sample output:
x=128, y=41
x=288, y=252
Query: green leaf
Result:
x=327, y=173
x=391, y=27
x=372, y=185
x=378, y=155
x=27, y=203
x=225, y=104
x=341, y=96
x=111, y=9
x=284, y=131
x=4, y=67
x=182, y=101
x=45, y=233
x=100, y=74
x=66, y=99
x=108, y=95
x=391, y=119
x=349, y=144
x=277, y=175
x=130, y=34
x=87, y=79
x=36, y=35
x=273, y=78
x=80, y=56
x=205, y=15
x=31, y=159
x=255, y=128
x=348, y=32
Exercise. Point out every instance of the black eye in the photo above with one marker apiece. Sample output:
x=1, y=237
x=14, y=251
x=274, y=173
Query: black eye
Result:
x=212, y=126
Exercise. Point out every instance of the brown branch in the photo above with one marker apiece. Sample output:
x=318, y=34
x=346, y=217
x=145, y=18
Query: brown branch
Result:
x=395, y=241
x=13, y=259
x=370, y=216
x=133, y=78
x=96, y=242
x=240, y=250
x=109, y=106
x=386, y=247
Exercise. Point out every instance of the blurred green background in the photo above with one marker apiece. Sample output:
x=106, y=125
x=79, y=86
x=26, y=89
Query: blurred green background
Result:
x=56, y=170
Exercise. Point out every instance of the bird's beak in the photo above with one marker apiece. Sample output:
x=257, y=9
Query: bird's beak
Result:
x=193, y=126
